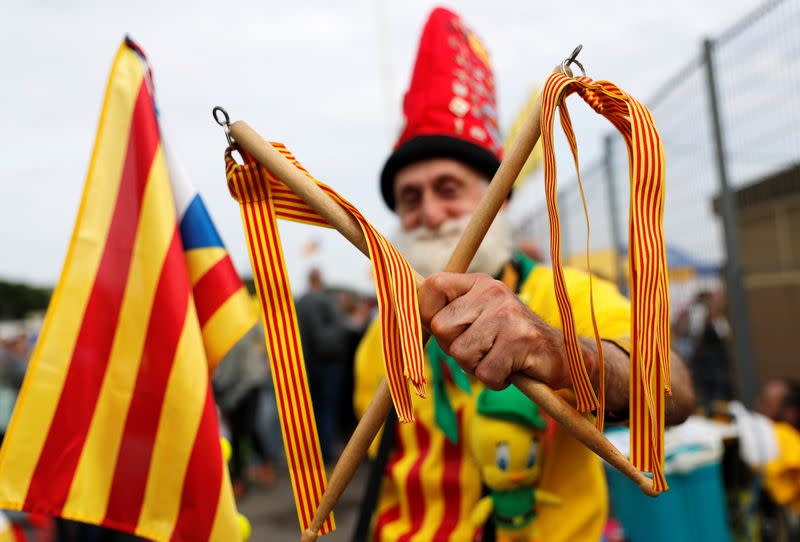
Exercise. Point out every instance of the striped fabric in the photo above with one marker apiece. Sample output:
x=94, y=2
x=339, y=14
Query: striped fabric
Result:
x=431, y=486
x=647, y=259
x=116, y=424
x=224, y=308
x=263, y=199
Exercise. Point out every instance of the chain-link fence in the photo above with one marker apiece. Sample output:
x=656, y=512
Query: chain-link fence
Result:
x=728, y=120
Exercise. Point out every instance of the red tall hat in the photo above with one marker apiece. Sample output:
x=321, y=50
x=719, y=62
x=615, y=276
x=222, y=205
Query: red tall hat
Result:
x=450, y=109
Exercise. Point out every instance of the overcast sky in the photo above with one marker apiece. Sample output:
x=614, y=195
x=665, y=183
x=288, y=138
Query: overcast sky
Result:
x=325, y=78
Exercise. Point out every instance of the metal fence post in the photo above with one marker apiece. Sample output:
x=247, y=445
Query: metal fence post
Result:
x=613, y=214
x=737, y=298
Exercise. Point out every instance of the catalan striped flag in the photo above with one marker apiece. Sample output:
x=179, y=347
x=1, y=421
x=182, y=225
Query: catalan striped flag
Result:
x=263, y=198
x=224, y=308
x=116, y=423
x=650, y=352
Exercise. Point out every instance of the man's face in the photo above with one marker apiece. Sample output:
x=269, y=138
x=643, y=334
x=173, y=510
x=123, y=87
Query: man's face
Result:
x=770, y=402
x=431, y=192
x=435, y=201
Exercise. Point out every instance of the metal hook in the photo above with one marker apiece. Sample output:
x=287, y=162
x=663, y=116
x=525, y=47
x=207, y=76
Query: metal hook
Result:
x=572, y=59
x=225, y=122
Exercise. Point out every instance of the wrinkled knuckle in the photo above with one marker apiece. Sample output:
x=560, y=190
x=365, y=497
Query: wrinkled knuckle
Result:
x=438, y=325
x=436, y=281
x=459, y=351
x=506, y=313
x=490, y=377
x=495, y=288
x=525, y=332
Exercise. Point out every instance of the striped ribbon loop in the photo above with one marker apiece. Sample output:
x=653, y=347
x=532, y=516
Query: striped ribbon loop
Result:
x=650, y=374
x=263, y=199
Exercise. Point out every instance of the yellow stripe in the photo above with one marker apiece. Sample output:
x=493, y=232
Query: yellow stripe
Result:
x=48, y=366
x=301, y=401
x=184, y=400
x=650, y=355
x=227, y=326
x=290, y=438
x=90, y=488
x=470, y=477
x=200, y=260
x=226, y=524
x=387, y=500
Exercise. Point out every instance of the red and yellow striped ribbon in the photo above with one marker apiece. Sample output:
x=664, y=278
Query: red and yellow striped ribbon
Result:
x=263, y=199
x=647, y=259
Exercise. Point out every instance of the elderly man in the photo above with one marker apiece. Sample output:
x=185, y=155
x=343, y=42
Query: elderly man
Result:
x=500, y=318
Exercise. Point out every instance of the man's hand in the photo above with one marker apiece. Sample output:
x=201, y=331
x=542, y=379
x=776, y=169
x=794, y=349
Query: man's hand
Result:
x=480, y=323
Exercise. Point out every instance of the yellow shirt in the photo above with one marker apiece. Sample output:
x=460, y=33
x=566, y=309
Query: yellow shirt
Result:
x=782, y=474
x=430, y=485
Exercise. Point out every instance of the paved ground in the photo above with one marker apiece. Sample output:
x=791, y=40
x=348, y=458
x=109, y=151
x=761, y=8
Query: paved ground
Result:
x=273, y=517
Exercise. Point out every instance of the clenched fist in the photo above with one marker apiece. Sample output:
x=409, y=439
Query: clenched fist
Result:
x=480, y=323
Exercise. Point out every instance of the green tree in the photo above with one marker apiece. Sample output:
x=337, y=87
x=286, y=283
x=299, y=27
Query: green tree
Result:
x=17, y=299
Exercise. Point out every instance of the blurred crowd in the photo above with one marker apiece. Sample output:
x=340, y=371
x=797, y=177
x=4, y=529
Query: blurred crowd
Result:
x=763, y=496
x=331, y=324
x=14, y=354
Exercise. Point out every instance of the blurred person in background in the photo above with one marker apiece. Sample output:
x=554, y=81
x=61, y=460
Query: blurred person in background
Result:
x=14, y=355
x=323, y=333
x=681, y=337
x=269, y=429
x=779, y=498
x=710, y=360
x=356, y=311
x=779, y=401
x=237, y=383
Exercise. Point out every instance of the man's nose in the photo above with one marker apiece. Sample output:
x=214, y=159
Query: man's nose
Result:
x=433, y=213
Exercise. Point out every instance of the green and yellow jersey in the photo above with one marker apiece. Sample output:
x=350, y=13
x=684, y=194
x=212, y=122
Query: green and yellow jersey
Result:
x=430, y=485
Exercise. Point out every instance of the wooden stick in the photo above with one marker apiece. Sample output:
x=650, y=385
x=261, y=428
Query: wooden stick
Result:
x=497, y=193
x=369, y=425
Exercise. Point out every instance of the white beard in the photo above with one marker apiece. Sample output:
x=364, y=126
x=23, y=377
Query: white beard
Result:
x=428, y=250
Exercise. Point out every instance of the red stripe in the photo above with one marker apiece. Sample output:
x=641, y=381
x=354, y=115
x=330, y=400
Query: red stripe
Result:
x=413, y=490
x=59, y=457
x=306, y=219
x=647, y=195
x=164, y=329
x=276, y=353
x=296, y=370
x=388, y=326
x=397, y=291
x=577, y=372
x=214, y=288
x=390, y=335
x=451, y=488
x=391, y=514
x=638, y=288
x=401, y=289
x=203, y=480
x=585, y=394
x=19, y=533
x=301, y=428
x=654, y=237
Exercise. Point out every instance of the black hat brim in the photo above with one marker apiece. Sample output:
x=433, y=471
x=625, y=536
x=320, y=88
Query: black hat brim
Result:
x=423, y=147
